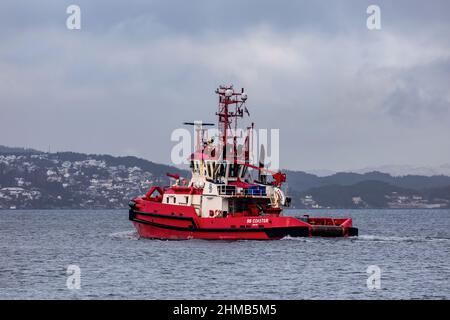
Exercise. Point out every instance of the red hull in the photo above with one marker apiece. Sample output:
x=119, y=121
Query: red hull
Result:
x=164, y=221
x=152, y=232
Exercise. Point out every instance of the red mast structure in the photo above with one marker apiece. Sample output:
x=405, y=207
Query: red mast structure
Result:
x=228, y=97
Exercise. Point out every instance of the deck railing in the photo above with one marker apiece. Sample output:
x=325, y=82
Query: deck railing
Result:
x=231, y=191
x=255, y=192
x=227, y=190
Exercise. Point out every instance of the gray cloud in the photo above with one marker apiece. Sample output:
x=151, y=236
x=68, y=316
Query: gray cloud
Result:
x=344, y=97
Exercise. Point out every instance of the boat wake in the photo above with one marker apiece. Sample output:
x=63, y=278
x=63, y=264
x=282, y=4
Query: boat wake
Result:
x=375, y=238
x=125, y=235
x=399, y=239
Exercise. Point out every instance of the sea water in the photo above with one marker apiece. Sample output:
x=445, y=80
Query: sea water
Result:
x=409, y=248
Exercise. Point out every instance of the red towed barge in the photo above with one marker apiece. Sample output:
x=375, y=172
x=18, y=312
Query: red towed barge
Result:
x=223, y=200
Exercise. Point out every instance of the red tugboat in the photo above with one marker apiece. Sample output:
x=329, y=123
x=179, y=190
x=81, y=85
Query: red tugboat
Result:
x=223, y=200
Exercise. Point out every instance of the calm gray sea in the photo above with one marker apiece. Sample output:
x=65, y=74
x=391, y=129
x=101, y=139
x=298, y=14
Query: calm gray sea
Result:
x=411, y=248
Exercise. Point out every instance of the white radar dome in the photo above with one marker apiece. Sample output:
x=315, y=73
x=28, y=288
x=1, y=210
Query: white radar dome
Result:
x=228, y=93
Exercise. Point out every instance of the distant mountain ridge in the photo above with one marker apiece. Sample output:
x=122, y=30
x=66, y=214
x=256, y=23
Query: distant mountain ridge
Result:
x=17, y=150
x=394, y=170
x=402, y=170
x=302, y=181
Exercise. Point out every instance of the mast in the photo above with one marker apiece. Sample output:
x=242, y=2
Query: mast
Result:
x=228, y=98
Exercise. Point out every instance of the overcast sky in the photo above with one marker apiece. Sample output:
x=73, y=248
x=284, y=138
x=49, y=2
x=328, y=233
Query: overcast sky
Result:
x=344, y=97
